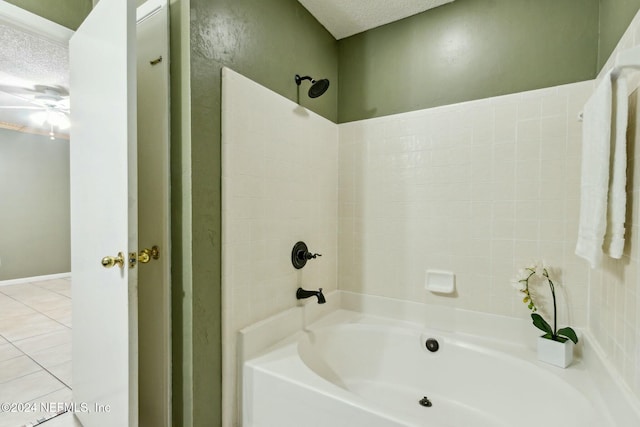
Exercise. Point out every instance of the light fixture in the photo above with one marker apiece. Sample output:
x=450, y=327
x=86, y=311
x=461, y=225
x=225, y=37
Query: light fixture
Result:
x=53, y=118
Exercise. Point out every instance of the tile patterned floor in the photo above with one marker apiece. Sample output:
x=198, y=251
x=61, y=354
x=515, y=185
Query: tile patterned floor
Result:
x=35, y=351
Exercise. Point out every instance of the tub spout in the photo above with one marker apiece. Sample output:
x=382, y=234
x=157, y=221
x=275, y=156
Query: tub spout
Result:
x=302, y=294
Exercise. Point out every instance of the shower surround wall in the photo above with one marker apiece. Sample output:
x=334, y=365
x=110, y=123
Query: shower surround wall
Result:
x=480, y=188
x=279, y=186
x=614, y=305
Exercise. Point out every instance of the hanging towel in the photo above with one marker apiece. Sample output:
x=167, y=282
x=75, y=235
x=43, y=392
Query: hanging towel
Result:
x=617, y=202
x=596, y=147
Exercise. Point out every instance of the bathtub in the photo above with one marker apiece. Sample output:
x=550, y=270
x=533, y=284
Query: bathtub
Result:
x=351, y=369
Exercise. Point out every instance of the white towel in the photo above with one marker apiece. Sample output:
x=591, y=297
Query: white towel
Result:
x=617, y=203
x=596, y=147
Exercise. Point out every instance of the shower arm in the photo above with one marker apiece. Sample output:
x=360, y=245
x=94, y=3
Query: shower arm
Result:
x=300, y=79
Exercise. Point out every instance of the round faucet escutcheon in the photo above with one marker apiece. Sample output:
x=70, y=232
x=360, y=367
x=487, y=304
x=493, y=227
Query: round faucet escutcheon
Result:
x=300, y=255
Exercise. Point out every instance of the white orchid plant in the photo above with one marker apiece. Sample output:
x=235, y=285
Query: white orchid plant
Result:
x=538, y=271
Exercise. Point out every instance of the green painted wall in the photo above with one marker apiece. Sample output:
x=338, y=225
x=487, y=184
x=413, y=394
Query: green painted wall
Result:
x=269, y=42
x=615, y=17
x=465, y=50
x=69, y=13
x=181, y=294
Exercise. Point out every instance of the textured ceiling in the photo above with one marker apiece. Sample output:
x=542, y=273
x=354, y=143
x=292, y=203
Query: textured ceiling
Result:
x=344, y=18
x=27, y=60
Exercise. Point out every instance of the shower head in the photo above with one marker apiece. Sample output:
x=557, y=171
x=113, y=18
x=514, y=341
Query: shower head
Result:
x=318, y=87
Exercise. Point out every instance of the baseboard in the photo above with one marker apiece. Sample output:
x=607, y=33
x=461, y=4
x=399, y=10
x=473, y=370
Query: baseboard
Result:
x=34, y=279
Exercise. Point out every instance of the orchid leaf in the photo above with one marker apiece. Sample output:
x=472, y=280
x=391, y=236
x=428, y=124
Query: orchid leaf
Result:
x=541, y=324
x=569, y=333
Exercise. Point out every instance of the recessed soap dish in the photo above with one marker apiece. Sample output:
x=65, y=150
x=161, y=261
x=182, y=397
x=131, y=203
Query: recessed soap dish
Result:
x=440, y=281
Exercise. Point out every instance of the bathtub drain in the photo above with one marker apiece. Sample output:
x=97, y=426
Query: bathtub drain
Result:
x=432, y=345
x=425, y=402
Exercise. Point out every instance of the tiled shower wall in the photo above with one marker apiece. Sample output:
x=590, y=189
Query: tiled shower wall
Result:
x=480, y=188
x=280, y=185
x=615, y=291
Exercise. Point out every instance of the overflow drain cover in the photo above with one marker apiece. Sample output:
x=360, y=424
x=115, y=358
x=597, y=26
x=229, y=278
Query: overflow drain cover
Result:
x=425, y=402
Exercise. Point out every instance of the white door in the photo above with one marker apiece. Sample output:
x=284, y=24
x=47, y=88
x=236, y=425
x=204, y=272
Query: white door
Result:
x=104, y=215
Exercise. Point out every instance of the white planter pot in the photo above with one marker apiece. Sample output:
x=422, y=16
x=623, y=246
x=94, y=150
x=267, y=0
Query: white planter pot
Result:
x=555, y=352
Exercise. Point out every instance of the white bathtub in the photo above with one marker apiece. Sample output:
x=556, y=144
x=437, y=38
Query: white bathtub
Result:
x=354, y=370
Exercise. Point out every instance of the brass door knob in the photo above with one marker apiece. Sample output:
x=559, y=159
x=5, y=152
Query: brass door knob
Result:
x=143, y=256
x=147, y=254
x=110, y=261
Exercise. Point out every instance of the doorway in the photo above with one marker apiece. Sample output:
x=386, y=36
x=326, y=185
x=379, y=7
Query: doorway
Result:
x=35, y=306
x=153, y=182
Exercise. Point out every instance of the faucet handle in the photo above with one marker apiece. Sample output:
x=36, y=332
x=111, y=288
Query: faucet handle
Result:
x=300, y=255
x=309, y=255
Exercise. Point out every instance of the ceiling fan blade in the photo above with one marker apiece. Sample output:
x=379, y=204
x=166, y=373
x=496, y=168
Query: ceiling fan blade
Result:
x=46, y=96
x=18, y=107
x=23, y=97
x=59, y=90
x=18, y=90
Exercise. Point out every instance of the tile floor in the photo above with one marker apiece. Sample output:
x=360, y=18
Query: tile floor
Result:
x=35, y=350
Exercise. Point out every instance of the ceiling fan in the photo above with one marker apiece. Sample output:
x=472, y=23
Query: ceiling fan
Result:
x=51, y=105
